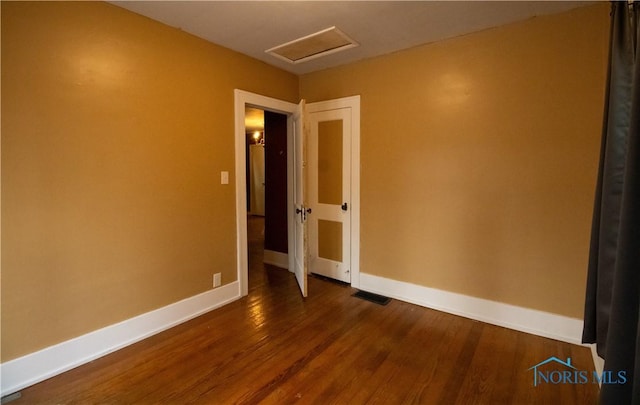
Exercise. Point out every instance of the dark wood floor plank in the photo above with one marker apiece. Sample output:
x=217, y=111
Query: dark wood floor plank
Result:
x=435, y=381
x=404, y=368
x=489, y=358
x=435, y=344
x=275, y=347
x=357, y=354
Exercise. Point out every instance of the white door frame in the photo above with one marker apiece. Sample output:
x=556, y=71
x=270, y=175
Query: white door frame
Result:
x=243, y=98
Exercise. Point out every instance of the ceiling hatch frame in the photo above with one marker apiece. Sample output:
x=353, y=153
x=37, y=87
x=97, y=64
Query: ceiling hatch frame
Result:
x=313, y=46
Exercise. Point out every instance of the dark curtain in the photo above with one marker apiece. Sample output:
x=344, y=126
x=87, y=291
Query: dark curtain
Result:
x=613, y=284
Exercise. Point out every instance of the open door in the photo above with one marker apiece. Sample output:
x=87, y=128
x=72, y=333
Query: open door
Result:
x=329, y=192
x=299, y=198
x=328, y=238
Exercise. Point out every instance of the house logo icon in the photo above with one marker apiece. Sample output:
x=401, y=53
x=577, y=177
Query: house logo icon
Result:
x=557, y=376
x=555, y=371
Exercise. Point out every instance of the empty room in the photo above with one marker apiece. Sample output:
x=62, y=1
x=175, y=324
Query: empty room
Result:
x=319, y=202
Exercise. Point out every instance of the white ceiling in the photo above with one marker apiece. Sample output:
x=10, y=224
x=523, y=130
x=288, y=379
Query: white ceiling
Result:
x=381, y=27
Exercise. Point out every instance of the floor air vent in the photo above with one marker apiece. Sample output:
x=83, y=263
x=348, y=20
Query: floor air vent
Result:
x=375, y=298
x=313, y=46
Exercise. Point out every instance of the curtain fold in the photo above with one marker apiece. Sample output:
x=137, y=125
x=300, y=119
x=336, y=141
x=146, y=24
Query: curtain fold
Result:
x=612, y=305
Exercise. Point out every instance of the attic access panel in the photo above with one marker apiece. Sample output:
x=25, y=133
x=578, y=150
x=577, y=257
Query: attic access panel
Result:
x=325, y=42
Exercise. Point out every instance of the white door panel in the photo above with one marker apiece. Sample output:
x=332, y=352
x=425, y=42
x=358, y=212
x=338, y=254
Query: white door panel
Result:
x=299, y=198
x=329, y=171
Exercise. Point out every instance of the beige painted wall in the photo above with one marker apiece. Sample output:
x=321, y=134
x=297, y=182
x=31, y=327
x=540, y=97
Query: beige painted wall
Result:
x=479, y=158
x=114, y=131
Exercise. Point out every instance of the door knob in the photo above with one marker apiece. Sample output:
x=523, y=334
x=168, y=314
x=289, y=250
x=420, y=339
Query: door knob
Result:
x=344, y=207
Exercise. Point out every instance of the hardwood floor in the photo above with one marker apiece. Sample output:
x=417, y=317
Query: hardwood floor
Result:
x=275, y=347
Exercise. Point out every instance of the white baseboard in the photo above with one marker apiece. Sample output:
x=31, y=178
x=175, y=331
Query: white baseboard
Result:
x=598, y=362
x=35, y=367
x=527, y=320
x=276, y=258
x=46, y=363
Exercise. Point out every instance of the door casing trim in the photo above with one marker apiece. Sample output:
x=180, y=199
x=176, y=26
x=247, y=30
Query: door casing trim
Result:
x=243, y=98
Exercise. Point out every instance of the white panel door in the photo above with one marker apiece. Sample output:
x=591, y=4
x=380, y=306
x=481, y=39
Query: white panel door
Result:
x=329, y=171
x=300, y=252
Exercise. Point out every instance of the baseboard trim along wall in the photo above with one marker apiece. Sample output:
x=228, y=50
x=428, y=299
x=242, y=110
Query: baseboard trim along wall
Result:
x=38, y=366
x=598, y=362
x=522, y=319
x=46, y=363
x=277, y=259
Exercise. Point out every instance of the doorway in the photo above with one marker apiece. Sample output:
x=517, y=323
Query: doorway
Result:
x=244, y=99
x=256, y=185
x=266, y=177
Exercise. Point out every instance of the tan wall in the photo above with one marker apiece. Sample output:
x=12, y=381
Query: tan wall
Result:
x=479, y=158
x=114, y=131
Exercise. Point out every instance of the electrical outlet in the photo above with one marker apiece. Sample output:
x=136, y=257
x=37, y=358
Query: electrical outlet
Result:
x=217, y=280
